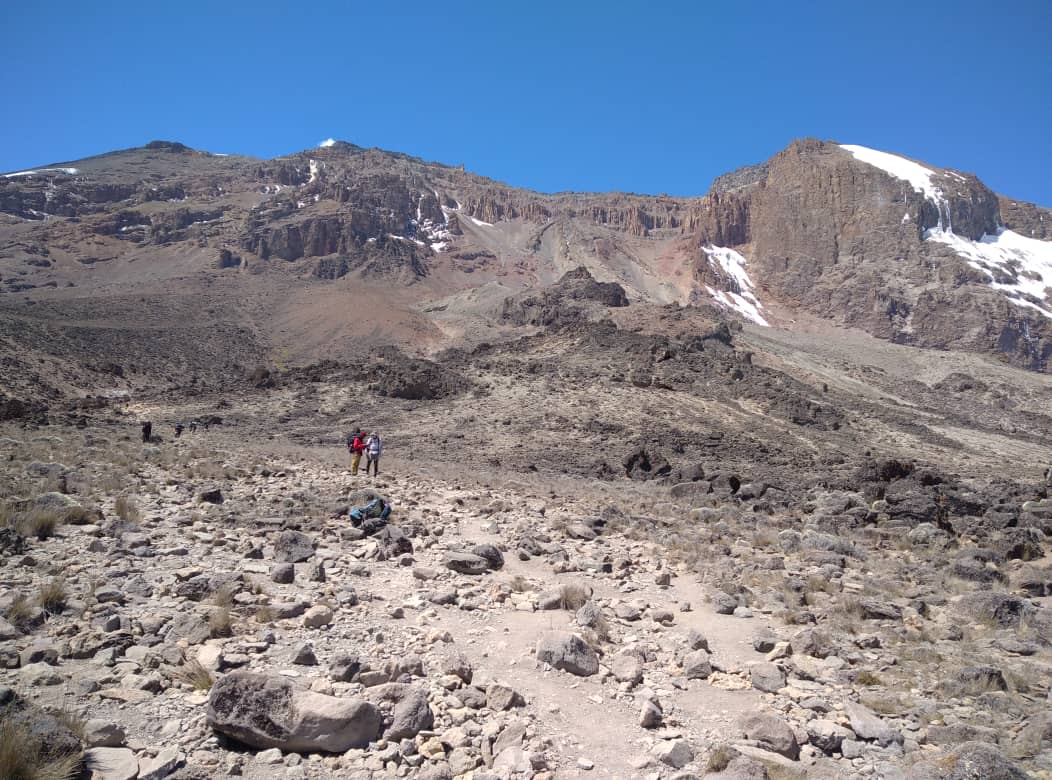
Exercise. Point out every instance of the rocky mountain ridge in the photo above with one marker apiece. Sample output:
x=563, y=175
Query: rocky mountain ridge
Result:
x=818, y=231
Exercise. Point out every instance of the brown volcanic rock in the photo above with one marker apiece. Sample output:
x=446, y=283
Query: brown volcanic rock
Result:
x=1026, y=218
x=576, y=297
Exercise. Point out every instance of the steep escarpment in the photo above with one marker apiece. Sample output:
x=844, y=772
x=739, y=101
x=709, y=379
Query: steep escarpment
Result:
x=906, y=251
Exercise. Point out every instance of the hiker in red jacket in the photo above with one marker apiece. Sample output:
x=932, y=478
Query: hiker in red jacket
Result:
x=356, y=448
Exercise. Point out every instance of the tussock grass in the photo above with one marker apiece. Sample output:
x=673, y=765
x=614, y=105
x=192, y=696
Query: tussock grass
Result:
x=720, y=758
x=40, y=523
x=20, y=613
x=220, y=623
x=199, y=678
x=127, y=509
x=572, y=597
x=519, y=584
x=867, y=678
x=53, y=596
x=223, y=596
x=265, y=614
x=20, y=757
x=71, y=720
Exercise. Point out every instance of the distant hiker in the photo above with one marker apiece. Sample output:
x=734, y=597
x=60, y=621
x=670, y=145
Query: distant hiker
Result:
x=193, y=426
x=356, y=448
x=373, y=447
x=147, y=431
x=178, y=430
x=1048, y=476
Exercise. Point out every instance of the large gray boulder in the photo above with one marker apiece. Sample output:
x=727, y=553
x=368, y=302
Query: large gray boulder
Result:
x=868, y=725
x=266, y=711
x=466, y=563
x=772, y=732
x=293, y=547
x=411, y=716
x=968, y=761
x=567, y=652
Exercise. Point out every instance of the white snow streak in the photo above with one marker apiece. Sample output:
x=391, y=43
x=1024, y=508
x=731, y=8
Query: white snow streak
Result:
x=480, y=223
x=70, y=171
x=1016, y=265
x=741, y=297
x=327, y=143
x=916, y=174
x=314, y=168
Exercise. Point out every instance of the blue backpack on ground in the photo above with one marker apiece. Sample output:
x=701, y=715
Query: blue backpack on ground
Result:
x=375, y=508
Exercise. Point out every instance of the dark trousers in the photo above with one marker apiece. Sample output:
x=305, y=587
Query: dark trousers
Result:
x=374, y=462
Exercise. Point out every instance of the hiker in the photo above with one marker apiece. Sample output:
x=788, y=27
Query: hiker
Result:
x=193, y=426
x=356, y=447
x=147, y=431
x=178, y=430
x=373, y=447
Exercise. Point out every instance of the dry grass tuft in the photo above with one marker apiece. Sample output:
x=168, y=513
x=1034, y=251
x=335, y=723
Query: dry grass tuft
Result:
x=265, y=614
x=196, y=675
x=20, y=757
x=573, y=597
x=519, y=584
x=223, y=596
x=40, y=523
x=220, y=623
x=866, y=677
x=20, y=612
x=53, y=596
x=720, y=758
x=127, y=509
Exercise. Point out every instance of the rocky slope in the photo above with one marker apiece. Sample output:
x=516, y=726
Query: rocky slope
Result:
x=908, y=253
x=739, y=564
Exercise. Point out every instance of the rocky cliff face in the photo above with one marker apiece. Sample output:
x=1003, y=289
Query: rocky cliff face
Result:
x=819, y=228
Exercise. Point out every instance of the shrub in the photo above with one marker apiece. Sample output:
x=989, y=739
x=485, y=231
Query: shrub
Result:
x=721, y=757
x=127, y=510
x=20, y=757
x=220, y=622
x=53, y=595
x=20, y=612
x=866, y=677
x=196, y=675
x=572, y=597
x=40, y=523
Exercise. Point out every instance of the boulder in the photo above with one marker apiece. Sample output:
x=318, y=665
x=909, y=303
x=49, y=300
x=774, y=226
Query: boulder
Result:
x=465, y=563
x=1002, y=609
x=111, y=763
x=868, y=726
x=567, y=652
x=772, y=732
x=293, y=547
x=968, y=761
x=391, y=542
x=266, y=711
x=697, y=665
x=411, y=716
x=767, y=677
x=627, y=668
x=493, y=556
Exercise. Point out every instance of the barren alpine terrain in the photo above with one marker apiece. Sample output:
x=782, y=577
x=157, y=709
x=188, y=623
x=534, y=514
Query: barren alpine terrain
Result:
x=751, y=485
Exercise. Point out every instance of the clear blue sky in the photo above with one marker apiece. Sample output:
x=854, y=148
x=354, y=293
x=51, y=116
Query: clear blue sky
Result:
x=645, y=97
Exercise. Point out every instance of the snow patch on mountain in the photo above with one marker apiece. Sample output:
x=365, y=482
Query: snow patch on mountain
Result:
x=1018, y=266
x=480, y=223
x=69, y=171
x=900, y=168
x=327, y=143
x=740, y=297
